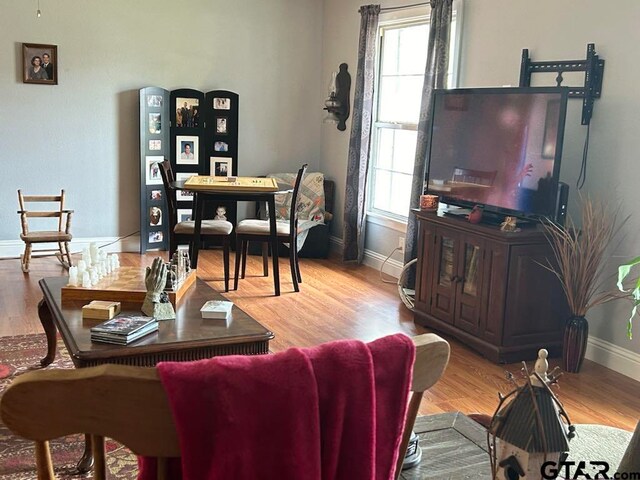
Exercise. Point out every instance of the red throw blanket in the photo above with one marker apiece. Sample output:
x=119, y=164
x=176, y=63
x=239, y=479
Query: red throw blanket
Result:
x=331, y=412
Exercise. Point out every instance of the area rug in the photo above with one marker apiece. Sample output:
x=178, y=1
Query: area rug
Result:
x=21, y=354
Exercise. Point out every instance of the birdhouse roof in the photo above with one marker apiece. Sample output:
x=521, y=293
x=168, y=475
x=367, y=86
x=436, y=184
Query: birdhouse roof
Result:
x=518, y=423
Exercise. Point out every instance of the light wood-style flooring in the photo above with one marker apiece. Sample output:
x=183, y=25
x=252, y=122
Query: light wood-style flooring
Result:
x=339, y=301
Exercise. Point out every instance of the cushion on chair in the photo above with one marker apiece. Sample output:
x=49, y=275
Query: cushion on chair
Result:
x=261, y=227
x=209, y=227
x=35, y=237
x=311, y=201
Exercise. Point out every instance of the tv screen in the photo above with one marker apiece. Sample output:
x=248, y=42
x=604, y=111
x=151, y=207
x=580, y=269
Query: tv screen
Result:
x=498, y=147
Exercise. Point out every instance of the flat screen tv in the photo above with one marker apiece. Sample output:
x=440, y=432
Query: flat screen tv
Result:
x=498, y=147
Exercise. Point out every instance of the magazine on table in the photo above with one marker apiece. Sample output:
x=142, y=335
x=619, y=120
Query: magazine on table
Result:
x=124, y=325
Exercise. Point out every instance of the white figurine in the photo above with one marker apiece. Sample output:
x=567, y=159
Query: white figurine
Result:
x=94, y=253
x=86, y=256
x=116, y=261
x=86, y=280
x=541, y=366
x=82, y=267
x=94, y=276
x=73, y=277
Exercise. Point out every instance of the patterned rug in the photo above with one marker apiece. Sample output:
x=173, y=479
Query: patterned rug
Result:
x=20, y=354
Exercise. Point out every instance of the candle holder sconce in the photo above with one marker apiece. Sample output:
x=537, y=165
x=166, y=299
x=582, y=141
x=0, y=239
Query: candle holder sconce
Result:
x=337, y=103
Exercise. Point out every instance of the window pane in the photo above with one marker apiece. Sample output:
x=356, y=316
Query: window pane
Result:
x=412, y=50
x=389, y=52
x=399, y=99
x=381, y=189
x=400, y=194
x=404, y=151
x=385, y=148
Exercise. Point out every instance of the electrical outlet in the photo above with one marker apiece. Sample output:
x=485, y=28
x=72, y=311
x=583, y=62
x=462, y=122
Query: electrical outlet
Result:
x=401, y=244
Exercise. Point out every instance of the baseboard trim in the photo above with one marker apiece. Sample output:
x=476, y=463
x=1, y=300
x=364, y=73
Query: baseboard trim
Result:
x=15, y=248
x=372, y=259
x=614, y=357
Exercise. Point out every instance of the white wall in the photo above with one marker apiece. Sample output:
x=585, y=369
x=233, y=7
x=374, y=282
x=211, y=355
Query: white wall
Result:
x=494, y=34
x=83, y=133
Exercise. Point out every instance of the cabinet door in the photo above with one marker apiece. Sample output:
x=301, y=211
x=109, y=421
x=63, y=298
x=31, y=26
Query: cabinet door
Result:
x=494, y=285
x=469, y=284
x=426, y=243
x=444, y=274
x=536, y=308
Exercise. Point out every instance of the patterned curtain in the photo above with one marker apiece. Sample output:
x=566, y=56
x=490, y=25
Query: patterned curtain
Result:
x=434, y=77
x=359, y=143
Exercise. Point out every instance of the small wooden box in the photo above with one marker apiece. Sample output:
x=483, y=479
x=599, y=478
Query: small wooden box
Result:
x=101, y=309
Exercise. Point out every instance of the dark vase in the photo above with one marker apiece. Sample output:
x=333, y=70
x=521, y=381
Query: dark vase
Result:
x=574, y=344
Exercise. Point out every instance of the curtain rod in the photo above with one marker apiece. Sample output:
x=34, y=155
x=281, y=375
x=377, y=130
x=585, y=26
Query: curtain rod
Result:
x=401, y=7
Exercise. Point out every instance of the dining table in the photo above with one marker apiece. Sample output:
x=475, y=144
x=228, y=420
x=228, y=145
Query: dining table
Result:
x=236, y=189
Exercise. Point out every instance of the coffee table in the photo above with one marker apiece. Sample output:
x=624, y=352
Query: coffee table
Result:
x=188, y=337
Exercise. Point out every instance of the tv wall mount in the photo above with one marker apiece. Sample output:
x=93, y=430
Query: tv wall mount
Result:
x=592, y=66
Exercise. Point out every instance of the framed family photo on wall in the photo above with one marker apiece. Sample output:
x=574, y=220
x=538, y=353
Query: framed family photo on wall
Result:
x=220, y=166
x=40, y=63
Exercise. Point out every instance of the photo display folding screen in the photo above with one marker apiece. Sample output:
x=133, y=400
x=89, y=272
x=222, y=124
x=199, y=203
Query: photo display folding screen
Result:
x=154, y=148
x=198, y=133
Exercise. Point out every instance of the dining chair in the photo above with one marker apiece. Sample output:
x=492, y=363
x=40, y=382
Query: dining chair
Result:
x=132, y=408
x=180, y=232
x=251, y=230
x=61, y=236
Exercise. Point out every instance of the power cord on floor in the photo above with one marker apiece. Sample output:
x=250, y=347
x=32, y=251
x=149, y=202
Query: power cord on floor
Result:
x=382, y=279
x=74, y=253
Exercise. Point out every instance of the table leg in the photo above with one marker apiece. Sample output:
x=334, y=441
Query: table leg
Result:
x=86, y=462
x=46, y=319
x=274, y=243
x=197, y=240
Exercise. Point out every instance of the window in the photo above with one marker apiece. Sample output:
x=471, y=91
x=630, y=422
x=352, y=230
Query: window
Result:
x=401, y=64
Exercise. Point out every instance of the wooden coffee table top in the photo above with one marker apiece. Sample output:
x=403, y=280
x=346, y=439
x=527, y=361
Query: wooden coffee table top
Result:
x=188, y=331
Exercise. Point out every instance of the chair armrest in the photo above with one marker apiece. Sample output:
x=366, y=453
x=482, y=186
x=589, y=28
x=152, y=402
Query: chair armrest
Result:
x=67, y=211
x=432, y=357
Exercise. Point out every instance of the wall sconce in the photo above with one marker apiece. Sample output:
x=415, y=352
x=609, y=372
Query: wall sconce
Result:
x=337, y=104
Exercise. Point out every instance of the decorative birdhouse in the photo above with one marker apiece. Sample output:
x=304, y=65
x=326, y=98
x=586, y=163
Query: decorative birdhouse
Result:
x=528, y=428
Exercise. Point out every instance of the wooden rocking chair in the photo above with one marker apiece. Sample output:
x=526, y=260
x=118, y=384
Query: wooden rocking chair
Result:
x=59, y=236
x=129, y=405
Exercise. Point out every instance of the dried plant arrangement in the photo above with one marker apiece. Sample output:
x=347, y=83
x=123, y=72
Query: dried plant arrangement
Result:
x=580, y=254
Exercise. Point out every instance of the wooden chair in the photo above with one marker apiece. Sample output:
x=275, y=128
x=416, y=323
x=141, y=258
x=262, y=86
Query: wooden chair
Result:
x=181, y=232
x=132, y=408
x=259, y=231
x=60, y=236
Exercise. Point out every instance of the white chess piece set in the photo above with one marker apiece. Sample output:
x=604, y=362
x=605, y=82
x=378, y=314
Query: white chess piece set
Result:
x=95, y=265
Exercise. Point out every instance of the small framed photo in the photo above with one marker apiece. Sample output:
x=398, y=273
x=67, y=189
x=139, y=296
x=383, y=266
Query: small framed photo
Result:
x=221, y=125
x=187, y=150
x=155, y=195
x=222, y=103
x=187, y=112
x=154, y=101
x=221, y=146
x=40, y=63
x=155, y=123
x=182, y=195
x=220, y=166
x=155, y=237
x=155, y=144
x=153, y=170
x=184, y=214
x=155, y=217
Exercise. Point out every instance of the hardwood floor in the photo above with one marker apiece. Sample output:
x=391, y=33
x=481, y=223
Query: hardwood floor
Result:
x=346, y=301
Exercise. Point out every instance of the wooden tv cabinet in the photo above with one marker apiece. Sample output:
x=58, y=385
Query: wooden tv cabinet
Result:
x=487, y=288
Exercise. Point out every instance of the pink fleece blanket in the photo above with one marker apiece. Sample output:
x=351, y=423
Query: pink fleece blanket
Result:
x=331, y=412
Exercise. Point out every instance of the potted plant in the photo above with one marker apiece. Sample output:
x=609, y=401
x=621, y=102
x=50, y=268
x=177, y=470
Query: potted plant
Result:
x=623, y=272
x=579, y=253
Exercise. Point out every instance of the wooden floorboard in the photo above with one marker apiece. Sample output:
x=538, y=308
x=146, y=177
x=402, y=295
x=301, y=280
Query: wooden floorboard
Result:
x=347, y=301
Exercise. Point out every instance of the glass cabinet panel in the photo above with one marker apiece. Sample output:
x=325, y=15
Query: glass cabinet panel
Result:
x=471, y=259
x=446, y=261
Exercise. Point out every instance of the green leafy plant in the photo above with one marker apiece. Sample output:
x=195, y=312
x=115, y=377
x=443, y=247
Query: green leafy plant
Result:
x=623, y=272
